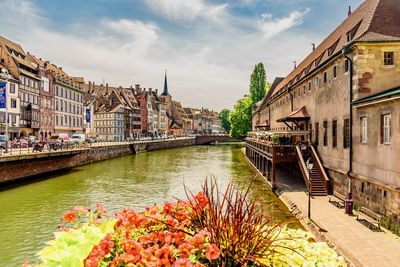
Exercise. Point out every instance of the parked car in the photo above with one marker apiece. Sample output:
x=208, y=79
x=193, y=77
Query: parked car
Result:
x=3, y=141
x=61, y=137
x=19, y=143
x=78, y=138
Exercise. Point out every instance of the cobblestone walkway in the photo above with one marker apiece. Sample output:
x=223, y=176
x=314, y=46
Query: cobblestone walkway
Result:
x=360, y=245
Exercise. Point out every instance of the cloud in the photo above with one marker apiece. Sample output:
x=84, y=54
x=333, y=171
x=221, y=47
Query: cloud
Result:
x=208, y=66
x=188, y=10
x=132, y=34
x=271, y=26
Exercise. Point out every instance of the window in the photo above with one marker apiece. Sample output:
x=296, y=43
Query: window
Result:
x=45, y=84
x=334, y=133
x=325, y=125
x=13, y=103
x=309, y=86
x=346, y=65
x=334, y=71
x=388, y=58
x=363, y=129
x=346, y=133
x=386, y=128
x=294, y=94
x=304, y=89
x=325, y=77
x=12, y=88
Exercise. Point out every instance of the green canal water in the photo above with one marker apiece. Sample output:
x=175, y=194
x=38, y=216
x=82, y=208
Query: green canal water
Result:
x=31, y=212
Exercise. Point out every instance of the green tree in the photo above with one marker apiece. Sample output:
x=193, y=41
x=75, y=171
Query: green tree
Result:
x=257, y=83
x=225, y=123
x=240, y=117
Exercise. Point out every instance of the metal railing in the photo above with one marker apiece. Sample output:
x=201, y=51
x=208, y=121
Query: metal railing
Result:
x=71, y=146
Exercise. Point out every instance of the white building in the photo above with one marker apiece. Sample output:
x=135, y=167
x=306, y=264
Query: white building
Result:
x=13, y=104
x=68, y=106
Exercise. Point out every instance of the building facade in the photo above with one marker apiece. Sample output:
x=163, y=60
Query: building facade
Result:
x=347, y=93
x=13, y=105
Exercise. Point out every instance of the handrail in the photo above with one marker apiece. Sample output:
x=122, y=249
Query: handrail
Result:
x=321, y=169
x=303, y=166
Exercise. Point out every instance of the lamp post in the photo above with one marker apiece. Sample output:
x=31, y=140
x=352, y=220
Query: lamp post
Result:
x=4, y=73
x=310, y=165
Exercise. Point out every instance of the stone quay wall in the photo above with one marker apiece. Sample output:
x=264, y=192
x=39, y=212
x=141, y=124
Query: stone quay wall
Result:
x=22, y=167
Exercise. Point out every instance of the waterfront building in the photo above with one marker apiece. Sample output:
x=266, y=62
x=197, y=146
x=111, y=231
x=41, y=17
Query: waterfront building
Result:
x=68, y=102
x=163, y=119
x=13, y=105
x=132, y=113
x=100, y=98
x=46, y=94
x=180, y=123
x=109, y=117
x=216, y=127
x=141, y=97
x=344, y=98
x=14, y=58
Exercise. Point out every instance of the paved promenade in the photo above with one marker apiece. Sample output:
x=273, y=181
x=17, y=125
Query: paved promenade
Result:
x=360, y=245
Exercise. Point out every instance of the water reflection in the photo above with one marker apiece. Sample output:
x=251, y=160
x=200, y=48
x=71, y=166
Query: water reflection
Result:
x=30, y=213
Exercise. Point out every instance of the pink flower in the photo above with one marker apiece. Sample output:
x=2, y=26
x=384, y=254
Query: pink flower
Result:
x=212, y=252
x=182, y=263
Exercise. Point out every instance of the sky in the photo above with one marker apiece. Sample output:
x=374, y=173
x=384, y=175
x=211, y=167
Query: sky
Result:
x=209, y=47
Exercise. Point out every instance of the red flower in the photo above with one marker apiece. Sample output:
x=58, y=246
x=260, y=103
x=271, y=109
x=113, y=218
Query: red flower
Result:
x=184, y=250
x=212, y=252
x=69, y=216
x=182, y=263
x=201, y=199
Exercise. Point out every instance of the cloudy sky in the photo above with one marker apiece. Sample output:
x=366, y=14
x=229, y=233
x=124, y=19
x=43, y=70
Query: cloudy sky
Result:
x=208, y=46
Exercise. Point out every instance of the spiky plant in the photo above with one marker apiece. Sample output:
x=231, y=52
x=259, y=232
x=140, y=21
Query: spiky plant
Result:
x=246, y=235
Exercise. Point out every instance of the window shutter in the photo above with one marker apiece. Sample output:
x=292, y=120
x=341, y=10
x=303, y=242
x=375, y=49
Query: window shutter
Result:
x=382, y=127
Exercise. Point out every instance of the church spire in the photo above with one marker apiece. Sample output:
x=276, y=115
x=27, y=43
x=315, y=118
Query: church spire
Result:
x=165, y=92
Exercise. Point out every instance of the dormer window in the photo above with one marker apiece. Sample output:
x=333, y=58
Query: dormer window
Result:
x=350, y=35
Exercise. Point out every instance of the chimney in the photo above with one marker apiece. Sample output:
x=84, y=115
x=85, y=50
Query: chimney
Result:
x=156, y=91
x=150, y=90
x=295, y=64
x=137, y=86
x=313, y=46
x=349, y=12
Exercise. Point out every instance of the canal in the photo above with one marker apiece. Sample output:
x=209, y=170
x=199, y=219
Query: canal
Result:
x=31, y=212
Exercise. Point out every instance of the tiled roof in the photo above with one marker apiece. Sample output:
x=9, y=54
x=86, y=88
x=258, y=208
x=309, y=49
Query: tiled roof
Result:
x=373, y=20
x=271, y=90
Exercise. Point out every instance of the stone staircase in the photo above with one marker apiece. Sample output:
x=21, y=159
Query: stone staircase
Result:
x=317, y=187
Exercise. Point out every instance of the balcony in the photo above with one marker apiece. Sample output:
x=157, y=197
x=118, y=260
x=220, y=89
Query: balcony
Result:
x=275, y=153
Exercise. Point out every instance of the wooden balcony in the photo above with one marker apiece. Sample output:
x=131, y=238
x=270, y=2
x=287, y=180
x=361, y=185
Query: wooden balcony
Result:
x=275, y=153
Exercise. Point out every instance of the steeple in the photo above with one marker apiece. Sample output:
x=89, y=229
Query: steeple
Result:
x=165, y=93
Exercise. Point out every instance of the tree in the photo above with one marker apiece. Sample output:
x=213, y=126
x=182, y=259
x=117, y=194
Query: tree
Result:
x=240, y=117
x=225, y=123
x=257, y=83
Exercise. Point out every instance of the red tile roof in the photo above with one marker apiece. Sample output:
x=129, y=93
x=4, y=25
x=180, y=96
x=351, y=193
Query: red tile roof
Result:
x=373, y=20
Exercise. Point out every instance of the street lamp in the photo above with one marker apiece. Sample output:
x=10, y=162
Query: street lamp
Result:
x=310, y=165
x=6, y=75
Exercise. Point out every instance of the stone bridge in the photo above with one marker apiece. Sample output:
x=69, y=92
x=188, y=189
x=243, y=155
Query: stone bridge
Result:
x=211, y=138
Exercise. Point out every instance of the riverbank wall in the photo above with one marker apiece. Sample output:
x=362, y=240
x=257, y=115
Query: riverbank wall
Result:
x=16, y=168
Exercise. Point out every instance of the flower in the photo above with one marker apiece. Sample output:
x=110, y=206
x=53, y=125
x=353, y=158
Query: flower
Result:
x=212, y=252
x=69, y=216
x=201, y=199
x=182, y=263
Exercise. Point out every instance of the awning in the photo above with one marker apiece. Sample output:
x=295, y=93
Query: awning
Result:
x=297, y=115
x=263, y=125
